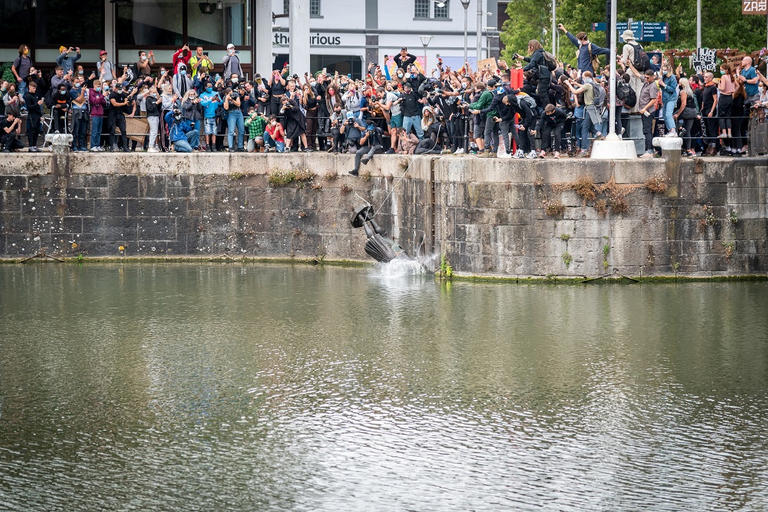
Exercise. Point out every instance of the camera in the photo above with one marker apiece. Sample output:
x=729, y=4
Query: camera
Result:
x=234, y=95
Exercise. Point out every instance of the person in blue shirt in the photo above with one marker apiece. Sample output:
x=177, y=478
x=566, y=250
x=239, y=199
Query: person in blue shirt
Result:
x=211, y=101
x=748, y=76
x=587, y=50
x=66, y=60
x=668, y=85
x=182, y=133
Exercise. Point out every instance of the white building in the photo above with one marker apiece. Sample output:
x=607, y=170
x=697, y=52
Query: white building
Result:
x=344, y=35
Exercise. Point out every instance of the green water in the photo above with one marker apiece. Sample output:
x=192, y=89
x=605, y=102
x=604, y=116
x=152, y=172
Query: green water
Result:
x=224, y=387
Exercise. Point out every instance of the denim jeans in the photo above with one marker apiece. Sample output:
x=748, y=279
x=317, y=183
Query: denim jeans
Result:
x=269, y=141
x=669, y=114
x=235, y=120
x=79, y=132
x=415, y=122
x=21, y=88
x=185, y=146
x=96, y=123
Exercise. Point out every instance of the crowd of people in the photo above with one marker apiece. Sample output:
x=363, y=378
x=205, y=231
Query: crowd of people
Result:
x=556, y=110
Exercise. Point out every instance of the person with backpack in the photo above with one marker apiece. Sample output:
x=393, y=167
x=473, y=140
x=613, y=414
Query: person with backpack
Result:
x=626, y=102
x=634, y=54
x=587, y=53
x=591, y=115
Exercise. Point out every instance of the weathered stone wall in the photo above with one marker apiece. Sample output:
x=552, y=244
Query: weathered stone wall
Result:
x=488, y=216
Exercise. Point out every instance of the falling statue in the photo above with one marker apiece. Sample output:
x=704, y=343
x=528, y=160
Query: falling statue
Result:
x=378, y=246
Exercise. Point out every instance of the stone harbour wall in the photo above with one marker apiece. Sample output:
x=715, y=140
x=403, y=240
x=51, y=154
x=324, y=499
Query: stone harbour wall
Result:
x=487, y=216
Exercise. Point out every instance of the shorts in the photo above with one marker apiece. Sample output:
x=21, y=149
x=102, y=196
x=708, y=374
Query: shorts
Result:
x=479, y=128
x=396, y=121
x=210, y=126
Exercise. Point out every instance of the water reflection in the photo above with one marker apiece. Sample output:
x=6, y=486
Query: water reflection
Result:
x=273, y=388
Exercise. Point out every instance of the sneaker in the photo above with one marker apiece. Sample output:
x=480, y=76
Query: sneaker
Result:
x=390, y=151
x=531, y=155
x=556, y=155
x=519, y=154
x=353, y=172
x=152, y=150
x=459, y=151
x=505, y=155
x=671, y=133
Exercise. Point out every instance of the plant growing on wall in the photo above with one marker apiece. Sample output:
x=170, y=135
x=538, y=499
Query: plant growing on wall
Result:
x=444, y=271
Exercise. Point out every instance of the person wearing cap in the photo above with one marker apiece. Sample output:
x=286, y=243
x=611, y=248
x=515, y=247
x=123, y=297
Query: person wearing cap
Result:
x=232, y=63
x=181, y=56
x=66, y=60
x=404, y=59
x=105, y=68
x=628, y=58
x=181, y=132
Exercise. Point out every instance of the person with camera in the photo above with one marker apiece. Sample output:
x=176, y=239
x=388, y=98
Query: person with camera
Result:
x=232, y=62
x=192, y=110
x=200, y=62
x=119, y=101
x=294, y=122
x=10, y=128
x=234, y=120
x=67, y=58
x=482, y=99
x=145, y=63
x=80, y=118
x=181, y=56
x=352, y=129
x=34, y=103
x=182, y=134
x=211, y=101
x=370, y=143
x=274, y=136
x=411, y=105
x=335, y=122
x=592, y=119
x=255, y=123
x=277, y=84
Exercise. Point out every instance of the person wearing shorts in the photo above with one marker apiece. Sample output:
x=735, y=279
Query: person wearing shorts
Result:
x=211, y=101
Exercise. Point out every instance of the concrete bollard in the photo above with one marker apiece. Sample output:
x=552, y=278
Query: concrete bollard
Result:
x=60, y=142
x=671, y=148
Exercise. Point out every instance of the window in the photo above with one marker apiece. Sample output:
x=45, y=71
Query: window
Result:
x=441, y=13
x=286, y=6
x=421, y=9
x=52, y=23
x=314, y=8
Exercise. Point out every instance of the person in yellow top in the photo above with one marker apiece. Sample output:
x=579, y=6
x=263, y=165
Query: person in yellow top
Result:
x=200, y=63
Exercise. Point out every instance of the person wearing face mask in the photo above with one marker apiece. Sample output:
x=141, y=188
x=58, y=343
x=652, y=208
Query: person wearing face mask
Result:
x=80, y=118
x=153, y=103
x=145, y=63
x=232, y=62
x=60, y=100
x=106, y=70
x=274, y=136
x=181, y=81
x=34, y=104
x=21, y=68
x=97, y=102
x=210, y=101
x=192, y=110
x=181, y=56
x=591, y=117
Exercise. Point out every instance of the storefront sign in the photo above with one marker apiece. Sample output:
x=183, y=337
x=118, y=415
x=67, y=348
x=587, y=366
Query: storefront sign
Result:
x=754, y=7
x=316, y=39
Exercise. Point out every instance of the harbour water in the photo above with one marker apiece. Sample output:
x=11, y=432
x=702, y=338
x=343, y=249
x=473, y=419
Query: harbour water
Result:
x=228, y=387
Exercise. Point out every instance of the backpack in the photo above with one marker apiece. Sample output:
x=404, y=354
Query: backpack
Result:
x=599, y=95
x=524, y=98
x=641, y=62
x=549, y=61
x=626, y=94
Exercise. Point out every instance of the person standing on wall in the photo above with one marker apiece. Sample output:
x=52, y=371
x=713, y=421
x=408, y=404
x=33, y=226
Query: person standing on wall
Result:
x=200, y=62
x=21, y=68
x=587, y=52
x=232, y=63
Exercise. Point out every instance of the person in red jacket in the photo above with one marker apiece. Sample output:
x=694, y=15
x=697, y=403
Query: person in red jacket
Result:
x=183, y=54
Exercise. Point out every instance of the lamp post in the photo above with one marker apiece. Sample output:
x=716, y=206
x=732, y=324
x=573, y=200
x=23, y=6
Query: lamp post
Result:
x=554, y=29
x=465, y=5
x=479, y=31
x=425, y=42
x=698, y=24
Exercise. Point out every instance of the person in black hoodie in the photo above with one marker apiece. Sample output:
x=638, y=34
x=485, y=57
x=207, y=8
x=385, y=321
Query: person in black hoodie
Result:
x=552, y=123
x=505, y=106
x=60, y=100
x=537, y=64
x=34, y=113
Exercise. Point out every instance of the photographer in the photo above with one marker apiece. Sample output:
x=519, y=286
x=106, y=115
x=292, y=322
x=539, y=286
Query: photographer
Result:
x=352, y=129
x=335, y=122
x=182, y=135
x=403, y=59
x=66, y=60
x=552, y=123
x=295, y=123
x=232, y=62
x=482, y=99
x=192, y=110
x=200, y=63
x=181, y=56
x=211, y=101
x=10, y=128
x=119, y=103
x=234, y=120
x=255, y=123
x=277, y=90
x=370, y=143
x=145, y=63
x=274, y=135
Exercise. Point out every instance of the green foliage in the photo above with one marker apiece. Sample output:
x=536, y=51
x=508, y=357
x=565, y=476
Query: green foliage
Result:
x=6, y=73
x=733, y=217
x=445, y=271
x=723, y=25
x=565, y=237
x=280, y=178
x=567, y=258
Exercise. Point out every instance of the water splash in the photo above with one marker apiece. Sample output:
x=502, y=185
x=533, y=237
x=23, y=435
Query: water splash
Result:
x=406, y=266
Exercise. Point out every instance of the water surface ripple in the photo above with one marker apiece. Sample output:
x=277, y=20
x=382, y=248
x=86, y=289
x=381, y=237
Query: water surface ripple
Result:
x=151, y=387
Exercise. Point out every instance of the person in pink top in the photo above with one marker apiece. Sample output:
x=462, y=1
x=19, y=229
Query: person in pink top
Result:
x=726, y=88
x=97, y=102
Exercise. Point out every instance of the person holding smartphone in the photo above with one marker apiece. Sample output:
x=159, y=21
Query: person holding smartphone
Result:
x=200, y=62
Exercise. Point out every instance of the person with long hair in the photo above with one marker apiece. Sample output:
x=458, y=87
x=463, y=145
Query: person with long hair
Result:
x=726, y=88
x=310, y=104
x=687, y=112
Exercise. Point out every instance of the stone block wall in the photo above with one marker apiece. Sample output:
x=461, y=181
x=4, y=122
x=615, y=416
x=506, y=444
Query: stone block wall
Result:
x=488, y=216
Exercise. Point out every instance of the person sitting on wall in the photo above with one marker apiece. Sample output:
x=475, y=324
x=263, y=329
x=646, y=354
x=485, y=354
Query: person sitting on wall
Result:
x=404, y=59
x=10, y=128
x=182, y=134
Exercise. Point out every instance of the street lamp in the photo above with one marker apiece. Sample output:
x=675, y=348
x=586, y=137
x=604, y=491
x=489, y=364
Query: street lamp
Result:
x=425, y=42
x=465, y=5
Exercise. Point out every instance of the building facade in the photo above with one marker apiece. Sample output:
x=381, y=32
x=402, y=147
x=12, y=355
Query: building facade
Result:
x=345, y=35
